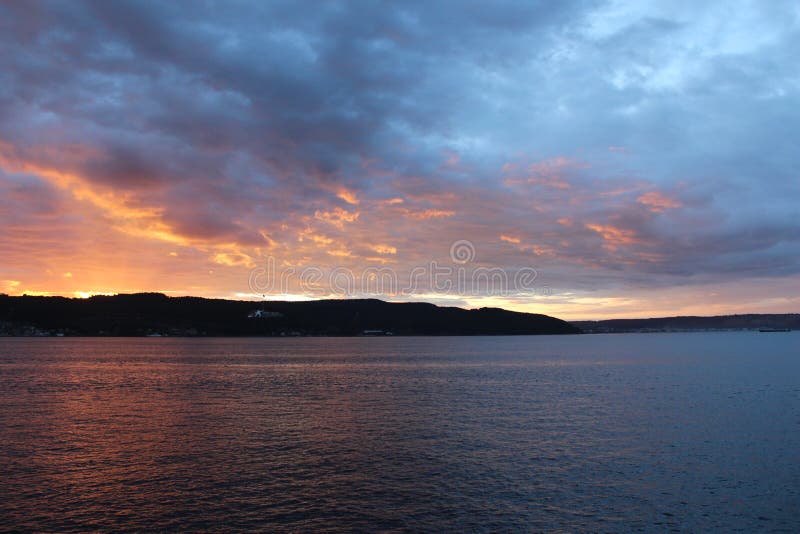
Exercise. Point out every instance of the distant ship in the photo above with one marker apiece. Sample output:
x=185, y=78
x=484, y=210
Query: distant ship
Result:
x=774, y=330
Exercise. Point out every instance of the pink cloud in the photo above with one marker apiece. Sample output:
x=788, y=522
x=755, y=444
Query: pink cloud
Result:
x=658, y=202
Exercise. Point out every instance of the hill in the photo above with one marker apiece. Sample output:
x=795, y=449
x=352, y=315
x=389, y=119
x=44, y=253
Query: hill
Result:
x=789, y=321
x=156, y=314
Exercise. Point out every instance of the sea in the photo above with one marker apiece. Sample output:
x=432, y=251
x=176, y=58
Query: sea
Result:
x=683, y=432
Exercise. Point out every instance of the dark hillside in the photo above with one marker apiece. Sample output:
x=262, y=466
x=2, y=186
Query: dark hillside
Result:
x=154, y=313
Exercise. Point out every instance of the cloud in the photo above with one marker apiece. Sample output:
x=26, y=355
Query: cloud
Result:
x=658, y=202
x=510, y=239
x=384, y=249
x=337, y=217
x=611, y=144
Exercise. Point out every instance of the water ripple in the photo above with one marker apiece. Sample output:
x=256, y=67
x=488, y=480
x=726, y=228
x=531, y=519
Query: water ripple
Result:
x=581, y=433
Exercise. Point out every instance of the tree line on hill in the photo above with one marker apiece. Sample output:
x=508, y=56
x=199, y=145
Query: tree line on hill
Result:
x=156, y=314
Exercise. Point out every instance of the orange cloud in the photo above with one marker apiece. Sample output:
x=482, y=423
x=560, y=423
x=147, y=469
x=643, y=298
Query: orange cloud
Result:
x=337, y=217
x=509, y=239
x=539, y=250
x=384, y=249
x=658, y=202
x=324, y=244
x=348, y=196
x=233, y=259
x=429, y=214
x=115, y=204
x=319, y=239
x=340, y=252
x=549, y=173
x=128, y=215
x=613, y=236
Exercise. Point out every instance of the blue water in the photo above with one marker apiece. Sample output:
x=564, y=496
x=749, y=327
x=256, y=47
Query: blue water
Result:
x=648, y=432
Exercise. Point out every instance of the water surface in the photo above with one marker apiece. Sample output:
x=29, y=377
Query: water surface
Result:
x=625, y=432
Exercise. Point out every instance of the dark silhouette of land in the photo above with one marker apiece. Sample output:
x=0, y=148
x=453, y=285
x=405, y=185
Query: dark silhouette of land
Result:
x=144, y=314
x=785, y=321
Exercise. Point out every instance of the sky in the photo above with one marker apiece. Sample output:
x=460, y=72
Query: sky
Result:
x=583, y=159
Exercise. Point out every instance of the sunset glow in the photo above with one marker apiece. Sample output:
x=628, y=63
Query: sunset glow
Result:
x=180, y=153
